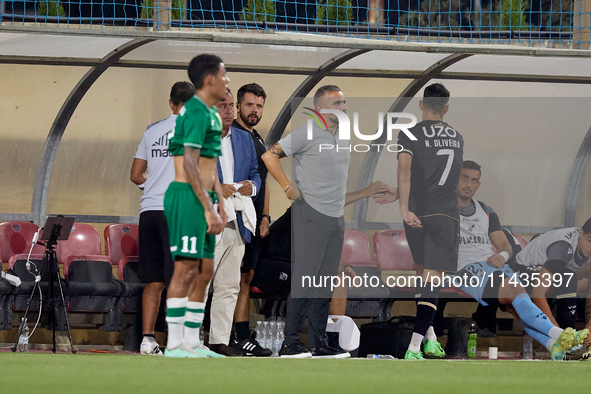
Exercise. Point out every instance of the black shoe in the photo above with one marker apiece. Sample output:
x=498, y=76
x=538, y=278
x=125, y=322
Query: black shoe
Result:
x=294, y=350
x=226, y=350
x=251, y=347
x=329, y=352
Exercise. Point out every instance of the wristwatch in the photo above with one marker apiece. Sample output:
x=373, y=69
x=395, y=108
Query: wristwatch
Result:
x=268, y=217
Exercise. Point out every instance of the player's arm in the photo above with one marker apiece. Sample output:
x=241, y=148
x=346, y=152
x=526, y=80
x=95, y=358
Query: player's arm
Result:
x=191, y=167
x=373, y=188
x=557, y=255
x=403, y=175
x=265, y=221
x=271, y=158
x=217, y=187
x=500, y=241
x=138, y=171
x=389, y=196
x=538, y=295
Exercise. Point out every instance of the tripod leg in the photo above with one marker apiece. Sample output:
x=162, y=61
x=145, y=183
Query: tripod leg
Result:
x=20, y=328
x=51, y=300
x=65, y=312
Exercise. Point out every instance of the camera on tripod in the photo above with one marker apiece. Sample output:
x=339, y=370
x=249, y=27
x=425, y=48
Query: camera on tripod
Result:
x=56, y=228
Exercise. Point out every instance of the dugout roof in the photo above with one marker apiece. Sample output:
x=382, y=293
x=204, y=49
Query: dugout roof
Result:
x=541, y=167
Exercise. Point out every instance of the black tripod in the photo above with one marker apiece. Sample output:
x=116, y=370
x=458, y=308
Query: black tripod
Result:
x=50, y=265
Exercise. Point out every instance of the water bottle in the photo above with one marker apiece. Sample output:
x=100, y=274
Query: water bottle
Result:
x=381, y=357
x=258, y=329
x=273, y=315
x=271, y=333
x=23, y=340
x=262, y=335
x=528, y=351
x=278, y=339
x=472, y=342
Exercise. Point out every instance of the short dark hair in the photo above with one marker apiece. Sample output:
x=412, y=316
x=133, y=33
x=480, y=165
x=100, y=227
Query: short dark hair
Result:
x=471, y=165
x=321, y=92
x=181, y=92
x=587, y=227
x=253, y=88
x=436, y=97
x=201, y=66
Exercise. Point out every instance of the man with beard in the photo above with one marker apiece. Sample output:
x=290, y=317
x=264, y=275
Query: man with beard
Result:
x=250, y=104
x=240, y=181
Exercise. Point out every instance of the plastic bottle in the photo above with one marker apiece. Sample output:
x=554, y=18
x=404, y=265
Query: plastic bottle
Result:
x=258, y=330
x=23, y=340
x=272, y=333
x=472, y=342
x=381, y=357
x=528, y=351
x=278, y=339
x=262, y=335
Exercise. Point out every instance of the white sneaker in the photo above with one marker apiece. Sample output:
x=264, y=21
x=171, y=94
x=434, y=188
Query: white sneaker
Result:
x=150, y=348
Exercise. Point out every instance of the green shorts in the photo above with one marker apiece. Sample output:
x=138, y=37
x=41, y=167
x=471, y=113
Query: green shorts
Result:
x=187, y=226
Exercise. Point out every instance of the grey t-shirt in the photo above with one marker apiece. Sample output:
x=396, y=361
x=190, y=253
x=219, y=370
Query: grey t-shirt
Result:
x=153, y=148
x=320, y=168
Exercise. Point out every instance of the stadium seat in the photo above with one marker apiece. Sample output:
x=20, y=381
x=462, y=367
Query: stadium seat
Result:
x=392, y=251
x=121, y=240
x=131, y=295
x=84, y=240
x=362, y=301
x=17, y=264
x=7, y=292
x=16, y=238
x=356, y=249
x=92, y=288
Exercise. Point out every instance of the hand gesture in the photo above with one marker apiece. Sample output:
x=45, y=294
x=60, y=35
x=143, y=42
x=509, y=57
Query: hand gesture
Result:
x=410, y=219
x=264, y=227
x=496, y=260
x=246, y=188
x=293, y=193
x=215, y=225
x=387, y=197
x=228, y=190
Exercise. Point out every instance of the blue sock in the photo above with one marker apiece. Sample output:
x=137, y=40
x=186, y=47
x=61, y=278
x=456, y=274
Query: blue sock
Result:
x=538, y=336
x=532, y=315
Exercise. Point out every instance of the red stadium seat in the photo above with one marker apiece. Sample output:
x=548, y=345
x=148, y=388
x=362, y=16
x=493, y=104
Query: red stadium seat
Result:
x=356, y=249
x=121, y=240
x=16, y=238
x=84, y=240
x=392, y=251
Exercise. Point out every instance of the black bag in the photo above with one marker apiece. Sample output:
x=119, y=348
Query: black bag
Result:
x=391, y=337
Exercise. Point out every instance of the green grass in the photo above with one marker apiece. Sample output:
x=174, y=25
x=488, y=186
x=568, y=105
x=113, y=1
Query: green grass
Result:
x=109, y=373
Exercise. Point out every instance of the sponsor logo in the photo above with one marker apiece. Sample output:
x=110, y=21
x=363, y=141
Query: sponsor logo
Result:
x=160, y=146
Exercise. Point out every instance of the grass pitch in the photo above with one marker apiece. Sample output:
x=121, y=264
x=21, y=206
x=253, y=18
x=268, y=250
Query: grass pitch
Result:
x=115, y=373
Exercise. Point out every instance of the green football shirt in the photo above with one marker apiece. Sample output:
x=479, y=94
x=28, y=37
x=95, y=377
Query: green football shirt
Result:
x=199, y=127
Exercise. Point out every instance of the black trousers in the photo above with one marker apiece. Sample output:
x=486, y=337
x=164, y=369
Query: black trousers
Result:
x=317, y=242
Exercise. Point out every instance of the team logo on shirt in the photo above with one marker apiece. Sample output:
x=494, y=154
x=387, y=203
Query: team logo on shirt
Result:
x=160, y=147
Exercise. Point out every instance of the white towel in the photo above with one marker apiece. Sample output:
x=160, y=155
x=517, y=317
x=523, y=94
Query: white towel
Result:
x=245, y=205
